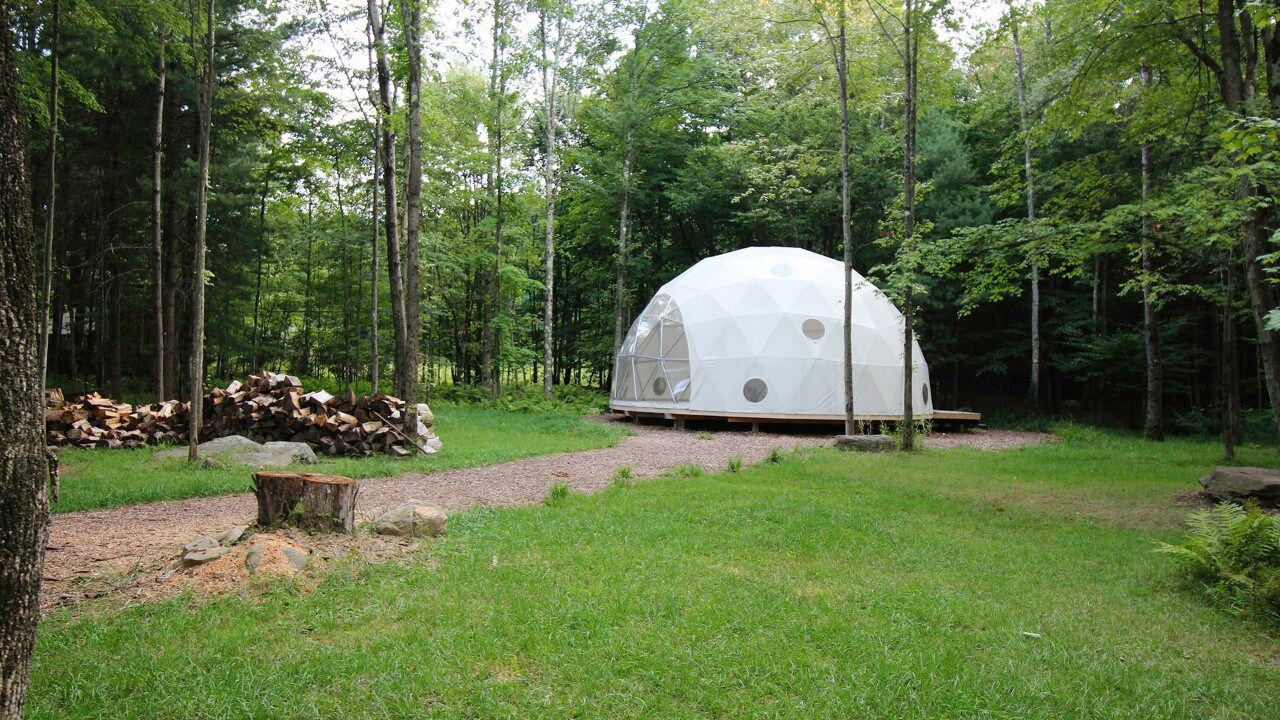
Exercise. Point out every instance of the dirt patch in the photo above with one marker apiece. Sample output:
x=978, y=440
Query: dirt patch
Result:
x=1197, y=499
x=131, y=551
x=986, y=439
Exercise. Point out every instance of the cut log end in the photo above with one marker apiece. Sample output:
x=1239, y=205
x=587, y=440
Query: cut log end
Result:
x=308, y=501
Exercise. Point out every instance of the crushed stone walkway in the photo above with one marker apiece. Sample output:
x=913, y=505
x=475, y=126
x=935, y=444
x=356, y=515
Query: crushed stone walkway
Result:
x=127, y=550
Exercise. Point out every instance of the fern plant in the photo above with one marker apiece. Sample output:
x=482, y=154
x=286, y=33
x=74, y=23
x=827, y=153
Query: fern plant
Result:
x=1234, y=552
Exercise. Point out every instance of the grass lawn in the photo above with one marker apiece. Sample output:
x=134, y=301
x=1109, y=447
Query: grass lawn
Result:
x=105, y=478
x=826, y=586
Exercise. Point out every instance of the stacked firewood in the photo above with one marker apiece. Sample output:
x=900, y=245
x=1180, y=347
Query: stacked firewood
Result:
x=274, y=407
x=265, y=408
x=92, y=421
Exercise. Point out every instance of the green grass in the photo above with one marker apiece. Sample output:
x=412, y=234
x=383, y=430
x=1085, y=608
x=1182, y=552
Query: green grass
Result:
x=472, y=436
x=827, y=585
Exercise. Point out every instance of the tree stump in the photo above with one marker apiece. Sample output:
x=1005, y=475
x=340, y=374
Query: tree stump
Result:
x=308, y=501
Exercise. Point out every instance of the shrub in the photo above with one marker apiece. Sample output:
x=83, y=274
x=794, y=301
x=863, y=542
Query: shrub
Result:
x=622, y=478
x=558, y=496
x=687, y=471
x=775, y=456
x=1234, y=552
x=735, y=464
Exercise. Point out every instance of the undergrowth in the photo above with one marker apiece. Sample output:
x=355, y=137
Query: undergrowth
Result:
x=1233, y=553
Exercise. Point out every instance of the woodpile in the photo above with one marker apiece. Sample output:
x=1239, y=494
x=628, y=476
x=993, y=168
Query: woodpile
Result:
x=265, y=408
x=94, y=421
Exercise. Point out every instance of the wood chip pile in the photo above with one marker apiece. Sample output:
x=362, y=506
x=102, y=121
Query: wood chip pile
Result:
x=266, y=407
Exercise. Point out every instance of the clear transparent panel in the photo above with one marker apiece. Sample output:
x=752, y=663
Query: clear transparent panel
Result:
x=647, y=371
x=672, y=333
x=624, y=383
x=653, y=363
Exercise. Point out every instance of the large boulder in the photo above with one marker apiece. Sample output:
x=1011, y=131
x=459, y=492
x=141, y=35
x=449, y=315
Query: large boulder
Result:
x=411, y=520
x=865, y=443
x=1238, y=484
x=243, y=451
x=219, y=446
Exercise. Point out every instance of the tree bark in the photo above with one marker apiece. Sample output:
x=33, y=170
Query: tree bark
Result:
x=1033, y=390
x=1151, y=331
x=846, y=226
x=159, y=391
x=624, y=209
x=490, y=365
x=1230, y=365
x=196, y=362
x=412, y=11
x=373, y=213
x=257, y=292
x=47, y=292
x=24, y=508
x=549, y=180
x=1234, y=88
x=395, y=275
x=308, y=501
x=910, y=56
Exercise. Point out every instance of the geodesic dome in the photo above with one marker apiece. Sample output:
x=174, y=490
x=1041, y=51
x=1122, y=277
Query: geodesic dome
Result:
x=758, y=334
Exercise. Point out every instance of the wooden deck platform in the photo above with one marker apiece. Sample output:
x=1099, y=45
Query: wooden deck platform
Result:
x=948, y=418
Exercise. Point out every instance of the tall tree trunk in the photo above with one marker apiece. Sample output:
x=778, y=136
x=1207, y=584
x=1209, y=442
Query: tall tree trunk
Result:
x=1230, y=364
x=257, y=292
x=1233, y=79
x=306, y=289
x=846, y=224
x=411, y=11
x=173, y=251
x=395, y=276
x=549, y=180
x=374, y=361
x=624, y=209
x=50, y=215
x=159, y=391
x=488, y=360
x=1033, y=390
x=196, y=361
x=1151, y=331
x=24, y=509
x=373, y=213
x=910, y=56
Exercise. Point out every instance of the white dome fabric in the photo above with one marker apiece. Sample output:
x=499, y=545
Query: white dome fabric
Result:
x=757, y=333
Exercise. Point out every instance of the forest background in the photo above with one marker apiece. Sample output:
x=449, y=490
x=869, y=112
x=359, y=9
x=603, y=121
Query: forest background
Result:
x=1094, y=188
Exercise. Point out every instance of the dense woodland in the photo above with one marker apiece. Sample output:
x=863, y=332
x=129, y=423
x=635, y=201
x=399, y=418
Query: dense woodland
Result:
x=1077, y=198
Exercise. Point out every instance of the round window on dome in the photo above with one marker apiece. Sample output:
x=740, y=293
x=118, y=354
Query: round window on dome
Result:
x=660, y=386
x=781, y=270
x=755, y=390
x=813, y=329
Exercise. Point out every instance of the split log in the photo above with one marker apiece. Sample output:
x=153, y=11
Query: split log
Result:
x=309, y=501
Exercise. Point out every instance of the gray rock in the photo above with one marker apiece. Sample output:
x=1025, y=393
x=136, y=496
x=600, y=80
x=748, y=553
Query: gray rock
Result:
x=1239, y=484
x=229, y=536
x=433, y=442
x=300, y=451
x=865, y=443
x=425, y=417
x=204, y=543
x=200, y=557
x=296, y=558
x=262, y=459
x=411, y=520
x=253, y=558
x=228, y=444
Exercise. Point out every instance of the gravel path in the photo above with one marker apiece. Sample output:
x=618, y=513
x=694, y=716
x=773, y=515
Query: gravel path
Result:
x=99, y=552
